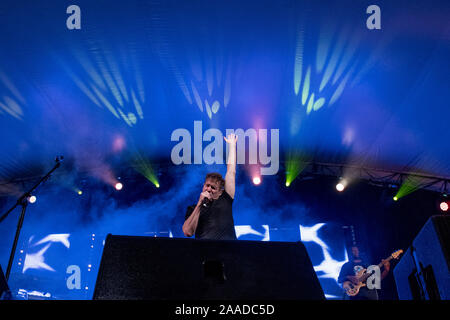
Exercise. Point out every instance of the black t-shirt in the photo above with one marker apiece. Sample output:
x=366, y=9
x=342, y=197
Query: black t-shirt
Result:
x=351, y=268
x=216, y=220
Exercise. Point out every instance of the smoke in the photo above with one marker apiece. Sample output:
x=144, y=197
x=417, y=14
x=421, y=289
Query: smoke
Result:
x=102, y=210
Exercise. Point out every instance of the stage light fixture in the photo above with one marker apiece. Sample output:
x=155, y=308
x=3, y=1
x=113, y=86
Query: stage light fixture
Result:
x=80, y=192
x=118, y=186
x=287, y=184
x=340, y=186
x=31, y=199
x=395, y=198
x=443, y=206
x=256, y=180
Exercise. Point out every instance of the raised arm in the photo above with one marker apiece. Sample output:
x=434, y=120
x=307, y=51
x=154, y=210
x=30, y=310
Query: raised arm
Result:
x=230, y=176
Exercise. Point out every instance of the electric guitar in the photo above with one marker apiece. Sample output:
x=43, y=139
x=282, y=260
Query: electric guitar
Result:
x=352, y=289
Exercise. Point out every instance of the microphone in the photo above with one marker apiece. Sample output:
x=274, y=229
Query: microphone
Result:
x=206, y=202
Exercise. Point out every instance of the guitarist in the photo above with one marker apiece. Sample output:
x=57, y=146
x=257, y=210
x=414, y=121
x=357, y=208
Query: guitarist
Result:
x=351, y=268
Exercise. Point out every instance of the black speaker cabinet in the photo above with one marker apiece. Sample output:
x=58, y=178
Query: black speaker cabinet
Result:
x=4, y=289
x=153, y=268
x=423, y=272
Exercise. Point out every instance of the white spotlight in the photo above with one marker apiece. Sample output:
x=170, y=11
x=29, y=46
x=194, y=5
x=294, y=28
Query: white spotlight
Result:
x=341, y=185
x=118, y=186
x=32, y=199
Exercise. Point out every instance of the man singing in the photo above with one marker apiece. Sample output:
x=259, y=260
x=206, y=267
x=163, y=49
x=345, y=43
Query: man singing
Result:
x=212, y=217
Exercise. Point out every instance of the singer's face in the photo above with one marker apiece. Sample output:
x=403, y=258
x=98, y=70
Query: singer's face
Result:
x=213, y=187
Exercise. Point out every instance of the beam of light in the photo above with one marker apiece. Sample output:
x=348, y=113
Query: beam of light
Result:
x=219, y=68
x=208, y=109
x=130, y=118
x=206, y=79
x=227, y=87
x=12, y=88
x=145, y=168
x=332, y=63
x=89, y=68
x=115, y=73
x=306, y=84
x=375, y=53
x=318, y=104
x=11, y=107
x=181, y=83
x=310, y=104
x=295, y=122
x=105, y=80
x=102, y=171
x=82, y=86
x=125, y=118
x=408, y=186
x=137, y=105
x=105, y=101
x=298, y=65
x=348, y=136
x=215, y=106
x=209, y=75
x=348, y=54
x=340, y=87
x=197, y=98
x=108, y=77
x=294, y=166
x=323, y=47
x=140, y=85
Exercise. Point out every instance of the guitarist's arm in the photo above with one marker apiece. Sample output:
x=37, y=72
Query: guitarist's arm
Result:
x=353, y=279
x=386, y=268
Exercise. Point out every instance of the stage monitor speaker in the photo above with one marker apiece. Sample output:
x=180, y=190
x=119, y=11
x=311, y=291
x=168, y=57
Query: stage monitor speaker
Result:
x=423, y=272
x=151, y=268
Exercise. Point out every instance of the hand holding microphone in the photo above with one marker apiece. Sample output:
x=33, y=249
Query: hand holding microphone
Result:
x=205, y=199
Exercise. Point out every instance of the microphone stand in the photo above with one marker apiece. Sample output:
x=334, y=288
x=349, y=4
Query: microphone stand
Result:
x=23, y=201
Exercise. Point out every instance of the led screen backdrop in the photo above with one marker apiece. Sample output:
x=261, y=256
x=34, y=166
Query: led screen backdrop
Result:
x=65, y=266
